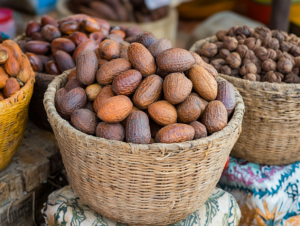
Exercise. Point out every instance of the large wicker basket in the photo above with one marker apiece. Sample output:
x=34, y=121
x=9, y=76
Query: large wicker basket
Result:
x=271, y=124
x=155, y=184
x=13, y=117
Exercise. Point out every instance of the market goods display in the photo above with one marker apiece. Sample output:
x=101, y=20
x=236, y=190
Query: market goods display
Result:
x=119, y=84
x=271, y=109
x=164, y=154
x=16, y=87
x=118, y=10
x=258, y=54
x=53, y=46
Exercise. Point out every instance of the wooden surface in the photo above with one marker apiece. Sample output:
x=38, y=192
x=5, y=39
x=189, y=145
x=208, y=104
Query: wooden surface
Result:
x=36, y=161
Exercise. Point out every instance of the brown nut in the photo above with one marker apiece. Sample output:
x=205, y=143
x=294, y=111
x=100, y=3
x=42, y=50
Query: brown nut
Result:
x=292, y=78
x=63, y=60
x=52, y=68
x=272, y=76
x=200, y=130
x=69, y=27
x=209, y=50
x=234, y=60
x=278, y=35
x=262, y=53
x=273, y=44
x=87, y=45
x=84, y=120
x=58, y=103
x=86, y=67
x=105, y=93
x=3, y=77
x=146, y=38
x=97, y=36
x=224, y=53
x=285, y=46
x=159, y=45
x=225, y=70
x=268, y=65
x=189, y=110
x=38, y=47
x=45, y=20
x=295, y=50
x=62, y=44
x=230, y=43
x=138, y=128
x=221, y=35
x=242, y=49
x=50, y=32
x=12, y=86
x=127, y=82
x=219, y=45
x=250, y=77
x=218, y=63
x=32, y=27
x=92, y=91
x=284, y=65
x=110, y=131
x=36, y=63
x=109, y=49
x=163, y=113
x=245, y=30
x=73, y=100
x=272, y=54
x=252, y=43
x=90, y=25
x=78, y=37
x=73, y=83
x=248, y=69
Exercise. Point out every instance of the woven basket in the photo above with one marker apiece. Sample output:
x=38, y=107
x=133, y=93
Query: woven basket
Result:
x=13, y=116
x=155, y=184
x=271, y=124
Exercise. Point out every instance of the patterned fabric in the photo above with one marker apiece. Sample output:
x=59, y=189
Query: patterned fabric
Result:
x=64, y=208
x=267, y=195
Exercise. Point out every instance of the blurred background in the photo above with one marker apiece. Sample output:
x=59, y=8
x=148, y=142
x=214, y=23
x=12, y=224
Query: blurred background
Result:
x=184, y=21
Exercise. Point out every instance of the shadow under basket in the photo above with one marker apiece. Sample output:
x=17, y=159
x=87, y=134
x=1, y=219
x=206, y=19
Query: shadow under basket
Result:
x=13, y=115
x=142, y=184
x=271, y=124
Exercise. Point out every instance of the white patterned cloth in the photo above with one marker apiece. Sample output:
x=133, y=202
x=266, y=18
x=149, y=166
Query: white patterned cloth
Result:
x=64, y=208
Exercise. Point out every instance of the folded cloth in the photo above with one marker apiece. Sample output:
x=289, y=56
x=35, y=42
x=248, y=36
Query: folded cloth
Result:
x=64, y=207
x=267, y=195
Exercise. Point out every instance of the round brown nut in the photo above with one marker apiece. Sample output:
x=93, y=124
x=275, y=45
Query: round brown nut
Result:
x=234, y=60
x=45, y=20
x=189, y=110
x=230, y=43
x=92, y=91
x=115, y=109
x=148, y=91
x=176, y=88
x=272, y=77
x=200, y=130
x=175, y=133
x=32, y=27
x=284, y=65
x=227, y=96
x=127, y=82
x=250, y=77
x=73, y=100
x=78, y=37
x=110, y=131
x=248, y=69
x=52, y=68
x=175, y=60
x=141, y=59
x=159, y=45
x=163, y=113
x=138, y=128
x=73, y=83
x=209, y=50
x=50, y=32
x=268, y=65
x=84, y=120
x=215, y=116
x=109, y=49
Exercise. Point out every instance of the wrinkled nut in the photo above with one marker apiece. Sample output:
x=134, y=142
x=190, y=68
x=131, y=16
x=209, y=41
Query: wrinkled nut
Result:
x=278, y=35
x=209, y=50
x=221, y=35
x=232, y=31
x=230, y=43
x=262, y=32
x=235, y=73
x=273, y=44
x=272, y=54
x=285, y=46
x=234, y=60
x=249, y=55
x=250, y=77
x=272, y=77
x=225, y=70
x=224, y=53
x=295, y=50
x=261, y=53
x=268, y=65
x=288, y=56
x=241, y=49
x=292, y=78
x=3, y=56
x=245, y=30
x=248, y=69
x=252, y=43
x=284, y=65
x=217, y=63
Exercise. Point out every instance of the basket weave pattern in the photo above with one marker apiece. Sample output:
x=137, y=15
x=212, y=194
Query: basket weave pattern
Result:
x=135, y=184
x=13, y=116
x=271, y=124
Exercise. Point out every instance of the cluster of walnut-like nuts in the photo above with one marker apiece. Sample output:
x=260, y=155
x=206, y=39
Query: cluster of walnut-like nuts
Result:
x=255, y=54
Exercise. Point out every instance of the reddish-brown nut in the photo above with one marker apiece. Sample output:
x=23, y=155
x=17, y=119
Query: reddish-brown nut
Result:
x=272, y=76
x=62, y=44
x=32, y=27
x=145, y=38
x=221, y=35
x=72, y=84
x=45, y=20
x=52, y=68
x=189, y=110
x=252, y=43
x=127, y=82
x=78, y=37
x=209, y=50
x=12, y=86
x=227, y=96
x=268, y=65
x=58, y=102
x=138, y=128
x=86, y=67
x=90, y=25
x=105, y=93
x=159, y=45
x=50, y=32
x=109, y=49
x=36, y=63
x=284, y=65
x=73, y=100
x=133, y=31
x=200, y=130
x=84, y=120
x=110, y=131
x=69, y=27
x=63, y=60
x=163, y=113
x=37, y=47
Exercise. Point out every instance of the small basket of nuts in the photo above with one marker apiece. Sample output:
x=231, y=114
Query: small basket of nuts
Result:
x=263, y=65
x=144, y=137
x=53, y=46
x=16, y=88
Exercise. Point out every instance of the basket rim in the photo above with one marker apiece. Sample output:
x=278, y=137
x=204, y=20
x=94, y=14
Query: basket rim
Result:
x=19, y=96
x=255, y=84
x=233, y=125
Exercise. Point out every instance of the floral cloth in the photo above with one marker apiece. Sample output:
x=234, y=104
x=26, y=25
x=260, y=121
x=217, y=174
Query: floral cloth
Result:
x=64, y=208
x=267, y=195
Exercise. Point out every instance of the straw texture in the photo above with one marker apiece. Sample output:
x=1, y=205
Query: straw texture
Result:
x=155, y=184
x=13, y=116
x=271, y=124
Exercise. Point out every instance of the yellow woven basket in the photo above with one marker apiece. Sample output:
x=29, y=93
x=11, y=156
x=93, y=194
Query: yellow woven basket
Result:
x=135, y=184
x=13, y=118
x=271, y=123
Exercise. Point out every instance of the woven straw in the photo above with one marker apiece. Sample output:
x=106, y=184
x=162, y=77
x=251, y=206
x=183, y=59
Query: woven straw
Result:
x=13, y=116
x=155, y=184
x=37, y=111
x=271, y=123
